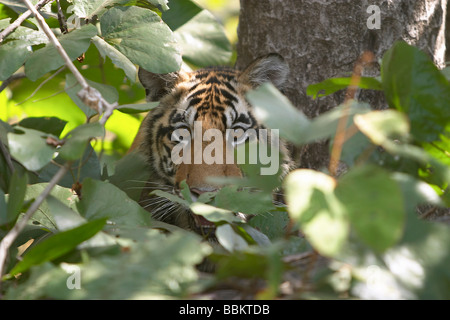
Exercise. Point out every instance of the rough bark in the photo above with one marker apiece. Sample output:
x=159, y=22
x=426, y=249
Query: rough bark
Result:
x=322, y=39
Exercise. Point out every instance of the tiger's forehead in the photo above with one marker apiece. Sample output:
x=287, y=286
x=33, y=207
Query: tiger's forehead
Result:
x=213, y=94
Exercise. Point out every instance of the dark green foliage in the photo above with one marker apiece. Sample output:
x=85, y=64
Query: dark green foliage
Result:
x=363, y=221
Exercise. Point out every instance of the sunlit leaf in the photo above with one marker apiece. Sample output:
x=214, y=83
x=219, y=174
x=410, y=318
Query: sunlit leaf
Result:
x=139, y=34
x=312, y=203
x=332, y=85
x=229, y=239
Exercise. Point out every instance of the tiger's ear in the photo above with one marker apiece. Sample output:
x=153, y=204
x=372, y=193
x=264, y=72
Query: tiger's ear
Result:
x=157, y=85
x=269, y=68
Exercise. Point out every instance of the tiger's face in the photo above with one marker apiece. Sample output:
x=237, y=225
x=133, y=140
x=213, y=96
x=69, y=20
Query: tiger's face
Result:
x=193, y=105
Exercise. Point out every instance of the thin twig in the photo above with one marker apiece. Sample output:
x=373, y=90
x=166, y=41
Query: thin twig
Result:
x=13, y=26
x=341, y=132
x=44, y=26
x=42, y=84
x=8, y=240
x=14, y=77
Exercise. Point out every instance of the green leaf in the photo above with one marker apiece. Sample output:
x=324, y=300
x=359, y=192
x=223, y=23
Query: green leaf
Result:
x=415, y=86
x=43, y=217
x=63, y=216
x=13, y=54
x=243, y=201
x=139, y=34
x=332, y=85
x=87, y=9
x=137, y=108
x=170, y=197
x=155, y=267
x=3, y=209
x=389, y=129
x=109, y=93
x=30, y=148
x=31, y=36
x=377, y=212
x=87, y=166
x=51, y=125
x=269, y=104
x=275, y=110
x=325, y=125
x=48, y=59
x=76, y=140
x=119, y=59
x=203, y=41
x=213, y=214
x=104, y=200
x=181, y=11
x=185, y=191
x=58, y=245
x=312, y=203
x=229, y=239
x=17, y=190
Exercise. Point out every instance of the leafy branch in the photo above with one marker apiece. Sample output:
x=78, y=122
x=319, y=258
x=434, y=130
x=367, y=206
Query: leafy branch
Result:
x=89, y=95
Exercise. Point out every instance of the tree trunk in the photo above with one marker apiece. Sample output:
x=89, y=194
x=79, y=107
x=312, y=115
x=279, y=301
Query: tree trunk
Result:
x=324, y=39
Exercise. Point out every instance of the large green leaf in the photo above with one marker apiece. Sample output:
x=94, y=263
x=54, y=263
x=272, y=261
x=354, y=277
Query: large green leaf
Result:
x=139, y=34
x=213, y=214
x=57, y=245
x=17, y=190
x=102, y=199
x=30, y=148
x=275, y=110
x=44, y=217
x=414, y=85
x=181, y=11
x=312, y=203
x=76, y=140
x=48, y=59
x=243, y=201
x=203, y=41
x=13, y=54
x=376, y=213
x=119, y=59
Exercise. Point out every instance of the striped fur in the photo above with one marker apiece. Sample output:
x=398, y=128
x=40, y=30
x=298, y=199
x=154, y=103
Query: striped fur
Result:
x=215, y=96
